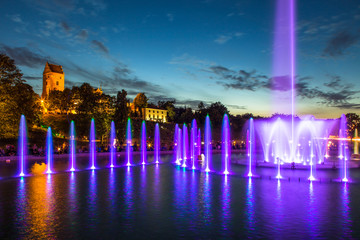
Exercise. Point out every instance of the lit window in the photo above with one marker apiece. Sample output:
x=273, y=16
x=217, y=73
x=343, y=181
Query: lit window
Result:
x=57, y=83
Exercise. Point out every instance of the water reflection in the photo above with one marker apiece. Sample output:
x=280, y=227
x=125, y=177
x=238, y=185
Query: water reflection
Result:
x=40, y=208
x=20, y=217
x=156, y=186
x=250, y=207
x=112, y=189
x=226, y=213
x=73, y=209
x=205, y=201
x=128, y=198
x=92, y=197
x=346, y=220
x=312, y=212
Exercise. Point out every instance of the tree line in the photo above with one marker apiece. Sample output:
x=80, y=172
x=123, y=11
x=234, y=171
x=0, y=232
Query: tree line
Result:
x=82, y=103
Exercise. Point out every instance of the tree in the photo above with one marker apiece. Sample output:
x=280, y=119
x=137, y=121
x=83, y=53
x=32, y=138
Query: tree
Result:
x=140, y=102
x=121, y=114
x=16, y=98
x=169, y=106
x=353, y=122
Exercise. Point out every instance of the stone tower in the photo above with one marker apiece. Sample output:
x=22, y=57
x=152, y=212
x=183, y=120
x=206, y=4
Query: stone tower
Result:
x=53, y=79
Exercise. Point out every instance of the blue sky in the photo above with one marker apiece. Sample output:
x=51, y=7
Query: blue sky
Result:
x=211, y=50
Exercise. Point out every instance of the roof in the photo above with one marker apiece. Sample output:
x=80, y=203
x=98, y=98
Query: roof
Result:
x=53, y=68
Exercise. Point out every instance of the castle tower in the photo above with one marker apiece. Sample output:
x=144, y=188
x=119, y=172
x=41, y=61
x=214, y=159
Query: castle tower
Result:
x=53, y=79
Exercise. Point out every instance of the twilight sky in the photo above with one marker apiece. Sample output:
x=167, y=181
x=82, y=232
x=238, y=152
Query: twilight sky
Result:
x=209, y=50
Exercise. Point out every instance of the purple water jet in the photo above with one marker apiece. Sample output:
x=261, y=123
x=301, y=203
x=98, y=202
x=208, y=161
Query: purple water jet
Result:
x=177, y=151
x=250, y=145
x=226, y=144
x=72, y=146
x=185, y=145
x=193, y=144
x=128, y=143
x=157, y=143
x=199, y=142
x=207, y=147
x=112, y=144
x=92, y=145
x=143, y=143
x=180, y=143
x=343, y=148
x=49, y=151
x=22, y=145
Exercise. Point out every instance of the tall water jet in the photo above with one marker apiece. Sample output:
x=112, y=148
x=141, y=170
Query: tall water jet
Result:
x=199, y=142
x=157, y=143
x=251, y=143
x=179, y=141
x=22, y=145
x=226, y=144
x=343, y=156
x=92, y=145
x=49, y=151
x=128, y=143
x=283, y=81
x=185, y=145
x=207, y=142
x=143, y=143
x=177, y=150
x=193, y=142
x=356, y=143
x=112, y=144
x=72, y=146
x=278, y=176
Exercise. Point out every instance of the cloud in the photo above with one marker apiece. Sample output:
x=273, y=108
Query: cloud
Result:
x=222, y=39
x=83, y=34
x=24, y=57
x=340, y=42
x=192, y=61
x=241, y=80
x=100, y=46
x=340, y=93
x=170, y=17
x=15, y=18
x=237, y=107
x=32, y=78
x=65, y=27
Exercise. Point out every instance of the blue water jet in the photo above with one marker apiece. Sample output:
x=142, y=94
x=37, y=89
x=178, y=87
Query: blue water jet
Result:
x=49, y=151
x=92, y=145
x=22, y=145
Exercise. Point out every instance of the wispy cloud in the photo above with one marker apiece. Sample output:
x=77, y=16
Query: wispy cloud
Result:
x=340, y=42
x=100, y=46
x=222, y=39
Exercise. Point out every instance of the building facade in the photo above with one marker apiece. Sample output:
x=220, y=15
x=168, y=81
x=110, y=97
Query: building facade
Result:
x=53, y=79
x=154, y=114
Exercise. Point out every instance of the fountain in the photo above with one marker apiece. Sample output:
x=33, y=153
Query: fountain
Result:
x=343, y=149
x=180, y=143
x=22, y=145
x=226, y=144
x=128, y=143
x=250, y=145
x=92, y=145
x=157, y=143
x=112, y=144
x=193, y=143
x=185, y=144
x=72, y=146
x=49, y=151
x=176, y=145
x=143, y=143
x=199, y=142
x=207, y=147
